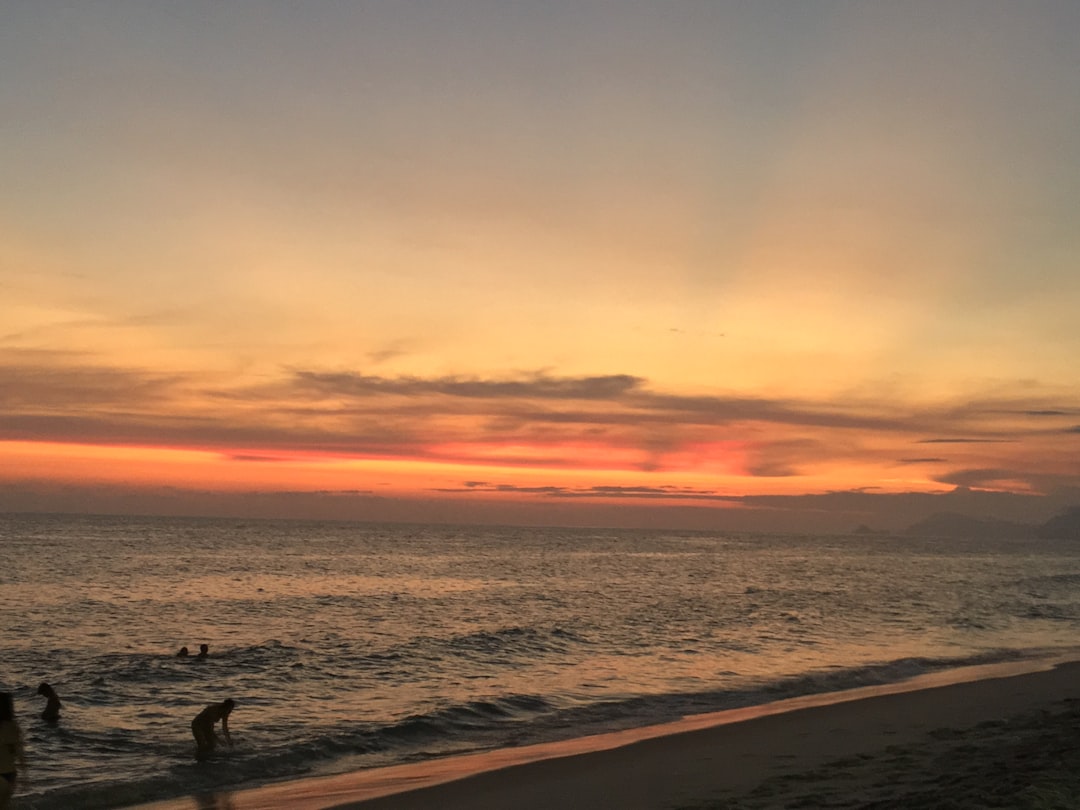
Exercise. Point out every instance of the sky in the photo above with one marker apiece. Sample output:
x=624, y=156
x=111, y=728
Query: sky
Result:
x=745, y=265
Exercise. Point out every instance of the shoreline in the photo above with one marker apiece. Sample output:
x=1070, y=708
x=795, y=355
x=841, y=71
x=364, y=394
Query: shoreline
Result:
x=692, y=761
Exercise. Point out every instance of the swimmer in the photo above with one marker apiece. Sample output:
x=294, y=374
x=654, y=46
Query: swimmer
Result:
x=202, y=727
x=52, y=707
x=183, y=653
x=204, y=651
x=12, y=756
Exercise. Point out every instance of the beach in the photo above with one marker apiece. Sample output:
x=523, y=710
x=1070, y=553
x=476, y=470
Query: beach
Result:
x=998, y=738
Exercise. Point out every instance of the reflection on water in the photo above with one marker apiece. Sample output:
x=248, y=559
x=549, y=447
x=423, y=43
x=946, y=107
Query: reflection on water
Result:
x=350, y=645
x=215, y=801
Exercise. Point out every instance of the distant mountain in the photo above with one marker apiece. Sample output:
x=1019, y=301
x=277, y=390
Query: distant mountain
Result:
x=952, y=524
x=1064, y=526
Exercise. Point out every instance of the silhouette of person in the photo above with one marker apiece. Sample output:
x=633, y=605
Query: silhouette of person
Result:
x=202, y=727
x=204, y=651
x=51, y=712
x=182, y=653
x=12, y=755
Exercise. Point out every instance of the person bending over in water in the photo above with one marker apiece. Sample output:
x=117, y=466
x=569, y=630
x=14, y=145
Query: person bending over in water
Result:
x=203, y=726
x=52, y=706
x=11, y=749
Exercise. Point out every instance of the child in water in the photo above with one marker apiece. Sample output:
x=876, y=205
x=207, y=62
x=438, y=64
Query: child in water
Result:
x=51, y=712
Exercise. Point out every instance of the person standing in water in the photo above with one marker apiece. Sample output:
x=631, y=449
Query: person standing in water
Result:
x=202, y=727
x=12, y=756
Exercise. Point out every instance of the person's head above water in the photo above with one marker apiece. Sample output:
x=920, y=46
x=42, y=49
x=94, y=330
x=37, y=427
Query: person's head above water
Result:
x=204, y=649
x=183, y=652
x=52, y=708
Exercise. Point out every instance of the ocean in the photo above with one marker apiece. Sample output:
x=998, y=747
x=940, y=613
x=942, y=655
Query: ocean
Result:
x=350, y=646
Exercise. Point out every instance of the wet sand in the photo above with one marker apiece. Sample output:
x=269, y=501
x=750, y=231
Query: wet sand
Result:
x=998, y=739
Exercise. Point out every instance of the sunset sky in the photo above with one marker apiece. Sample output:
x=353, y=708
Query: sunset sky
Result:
x=776, y=265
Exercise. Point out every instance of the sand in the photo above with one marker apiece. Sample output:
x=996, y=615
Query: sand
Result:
x=1002, y=737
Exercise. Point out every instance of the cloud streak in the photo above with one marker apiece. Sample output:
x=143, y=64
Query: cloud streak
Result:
x=538, y=420
x=598, y=491
x=537, y=387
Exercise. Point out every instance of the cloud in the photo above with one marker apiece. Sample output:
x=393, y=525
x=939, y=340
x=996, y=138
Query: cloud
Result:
x=536, y=419
x=600, y=491
x=613, y=400
x=53, y=386
x=976, y=478
x=841, y=510
x=78, y=331
x=772, y=469
x=785, y=458
x=637, y=403
x=1008, y=479
x=961, y=441
x=715, y=410
x=391, y=351
x=537, y=386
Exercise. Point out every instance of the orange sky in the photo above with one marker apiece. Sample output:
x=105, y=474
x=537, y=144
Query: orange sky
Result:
x=737, y=265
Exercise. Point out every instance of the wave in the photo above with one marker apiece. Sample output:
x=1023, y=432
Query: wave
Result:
x=481, y=724
x=503, y=646
x=513, y=641
x=447, y=729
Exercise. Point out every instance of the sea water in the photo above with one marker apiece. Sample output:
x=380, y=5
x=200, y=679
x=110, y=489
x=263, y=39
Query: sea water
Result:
x=351, y=646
